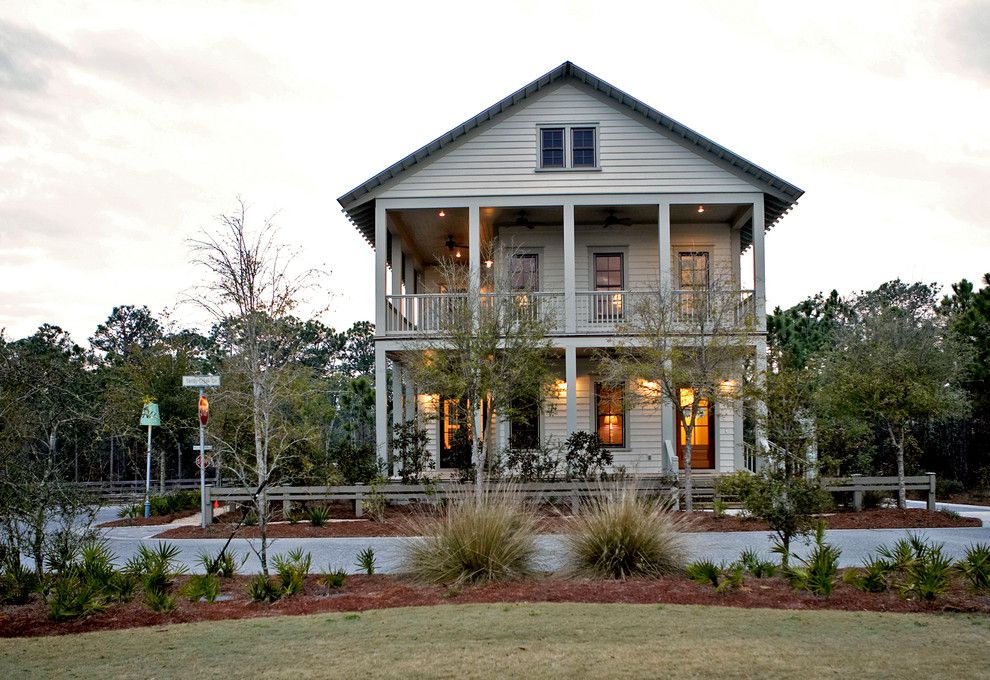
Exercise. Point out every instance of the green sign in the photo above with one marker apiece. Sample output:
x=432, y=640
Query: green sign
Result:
x=149, y=416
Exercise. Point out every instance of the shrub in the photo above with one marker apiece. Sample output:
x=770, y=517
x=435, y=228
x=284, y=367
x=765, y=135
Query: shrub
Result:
x=72, y=597
x=157, y=568
x=410, y=442
x=334, y=579
x=374, y=500
x=292, y=570
x=159, y=601
x=756, y=566
x=480, y=536
x=223, y=564
x=817, y=572
x=786, y=503
x=205, y=587
x=720, y=576
x=620, y=535
x=366, y=561
x=317, y=515
x=975, y=567
x=262, y=589
x=177, y=501
x=357, y=463
x=927, y=575
x=586, y=456
x=873, y=577
x=533, y=464
x=17, y=582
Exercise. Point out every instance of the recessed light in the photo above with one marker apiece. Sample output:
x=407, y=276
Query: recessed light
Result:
x=701, y=208
x=442, y=214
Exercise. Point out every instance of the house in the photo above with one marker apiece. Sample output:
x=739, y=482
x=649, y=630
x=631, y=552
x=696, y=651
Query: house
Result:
x=602, y=196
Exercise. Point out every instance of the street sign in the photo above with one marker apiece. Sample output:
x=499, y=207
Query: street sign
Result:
x=202, y=462
x=204, y=411
x=201, y=381
x=208, y=447
x=150, y=416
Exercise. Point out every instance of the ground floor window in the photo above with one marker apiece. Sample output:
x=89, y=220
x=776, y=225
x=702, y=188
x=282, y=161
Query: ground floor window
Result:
x=455, y=434
x=524, y=427
x=610, y=417
x=702, y=440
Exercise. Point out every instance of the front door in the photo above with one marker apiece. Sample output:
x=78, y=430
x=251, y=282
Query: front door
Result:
x=702, y=436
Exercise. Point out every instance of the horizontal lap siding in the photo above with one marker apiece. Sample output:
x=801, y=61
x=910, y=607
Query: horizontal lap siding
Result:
x=500, y=159
x=549, y=243
x=637, y=242
x=716, y=239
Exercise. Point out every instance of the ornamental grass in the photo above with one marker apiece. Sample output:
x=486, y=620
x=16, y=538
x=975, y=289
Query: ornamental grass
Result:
x=621, y=535
x=479, y=536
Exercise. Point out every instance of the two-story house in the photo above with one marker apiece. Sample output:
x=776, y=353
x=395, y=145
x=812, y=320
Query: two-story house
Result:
x=602, y=196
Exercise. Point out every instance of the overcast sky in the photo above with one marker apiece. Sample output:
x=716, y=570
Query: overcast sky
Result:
x=127, y=127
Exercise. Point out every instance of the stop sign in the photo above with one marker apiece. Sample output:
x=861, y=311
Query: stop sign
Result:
x=204, y=411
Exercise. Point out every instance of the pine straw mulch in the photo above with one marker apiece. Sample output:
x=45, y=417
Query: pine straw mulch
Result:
x=398, y=522
x=362, y=593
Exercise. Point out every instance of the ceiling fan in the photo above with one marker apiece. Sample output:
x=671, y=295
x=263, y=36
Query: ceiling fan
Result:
x=522, y=220
x=453, y=245
x=611, y=220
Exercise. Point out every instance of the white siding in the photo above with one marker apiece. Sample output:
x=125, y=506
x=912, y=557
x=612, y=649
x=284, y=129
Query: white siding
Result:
x=500, y=158
x=715, y=239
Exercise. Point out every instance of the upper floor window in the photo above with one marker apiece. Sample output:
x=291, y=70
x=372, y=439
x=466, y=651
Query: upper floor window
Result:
x=566, y=146
x=695, y=273
x=583, y=145
x=525, y=272
x=552, y=148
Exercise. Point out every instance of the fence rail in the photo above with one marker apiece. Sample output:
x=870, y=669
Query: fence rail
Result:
x=574, y=491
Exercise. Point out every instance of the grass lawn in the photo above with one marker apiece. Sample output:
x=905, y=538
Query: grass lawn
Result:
x=523, y=640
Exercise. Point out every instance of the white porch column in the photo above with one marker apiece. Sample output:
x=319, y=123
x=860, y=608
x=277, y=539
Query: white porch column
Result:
x=381, y=404
x=570, y=376
x=410, y=399
x=663, y=247
x=570, y=297
x=759, y=265
x=397, y=410
x=668, y=427
x=381, y=241
x=474, y=251
x=759, y=428
x=396, y=265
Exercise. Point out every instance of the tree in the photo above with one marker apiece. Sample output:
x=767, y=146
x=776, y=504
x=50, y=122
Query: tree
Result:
x=357, y=357
x=893, y=365
x=490, y=351
x=45, y=401
x=684, y=350
x=126, y=330
x=252, y=293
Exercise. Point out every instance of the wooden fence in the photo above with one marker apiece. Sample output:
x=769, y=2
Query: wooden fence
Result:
x=572, y=492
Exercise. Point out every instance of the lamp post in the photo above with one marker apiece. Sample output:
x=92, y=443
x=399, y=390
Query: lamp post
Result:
x=151, y=418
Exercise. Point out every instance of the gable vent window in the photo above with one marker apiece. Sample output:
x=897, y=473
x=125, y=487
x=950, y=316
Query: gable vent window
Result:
x=552, y=151
x=568, y=147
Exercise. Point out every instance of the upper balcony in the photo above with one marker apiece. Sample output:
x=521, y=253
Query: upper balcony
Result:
x=585, y=269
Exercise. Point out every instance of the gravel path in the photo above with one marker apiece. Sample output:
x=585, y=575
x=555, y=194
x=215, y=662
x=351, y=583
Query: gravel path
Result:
x=342, y=552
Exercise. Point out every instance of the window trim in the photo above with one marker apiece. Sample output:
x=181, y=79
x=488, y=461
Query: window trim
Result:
x=695, y=252
x=597, y=385
x=537, y=255
x=568, y=129
x=541, y=148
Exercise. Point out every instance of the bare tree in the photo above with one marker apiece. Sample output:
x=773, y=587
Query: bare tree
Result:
x=253, y=291
x=686, y=348
x=489, y=350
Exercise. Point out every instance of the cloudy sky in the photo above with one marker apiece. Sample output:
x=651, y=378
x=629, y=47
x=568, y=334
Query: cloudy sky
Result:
x=125, y=128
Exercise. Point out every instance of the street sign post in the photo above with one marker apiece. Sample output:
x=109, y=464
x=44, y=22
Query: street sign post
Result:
x=150, y=417
x=202, y=381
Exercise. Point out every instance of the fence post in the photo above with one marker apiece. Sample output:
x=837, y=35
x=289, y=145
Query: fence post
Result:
x=208, y=506
x=857, y=495
x=931, y=490
x=286, y=508
x=574, y=501
x=359, y=502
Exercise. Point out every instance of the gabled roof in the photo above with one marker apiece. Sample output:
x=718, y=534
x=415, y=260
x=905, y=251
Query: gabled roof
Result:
x=779, y=195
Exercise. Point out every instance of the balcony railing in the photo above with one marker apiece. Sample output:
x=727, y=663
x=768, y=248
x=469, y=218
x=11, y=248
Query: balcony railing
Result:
x=598, y=312
x=427, y=313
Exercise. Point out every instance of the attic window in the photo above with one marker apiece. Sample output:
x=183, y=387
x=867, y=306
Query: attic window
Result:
x=568, y=147
x=552, y=148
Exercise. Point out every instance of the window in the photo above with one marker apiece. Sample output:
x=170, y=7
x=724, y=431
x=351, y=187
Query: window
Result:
x=569, y=147
x=694, y=271
x=524, y=426
x=455, y=434
x=552, y=148
x=583, y=147
x=525, y=272
x=608, y=277
x=610, y=414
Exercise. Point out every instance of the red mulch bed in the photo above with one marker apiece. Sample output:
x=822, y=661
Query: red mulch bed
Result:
x=362, y=593
x=397, y=523
x=148, y=521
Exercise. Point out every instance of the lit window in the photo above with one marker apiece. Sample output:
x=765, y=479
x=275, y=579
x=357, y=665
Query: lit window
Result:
x=610, y=415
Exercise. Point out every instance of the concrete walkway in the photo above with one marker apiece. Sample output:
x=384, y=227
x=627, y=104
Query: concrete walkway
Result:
x=980, y=512
x=855, y=544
